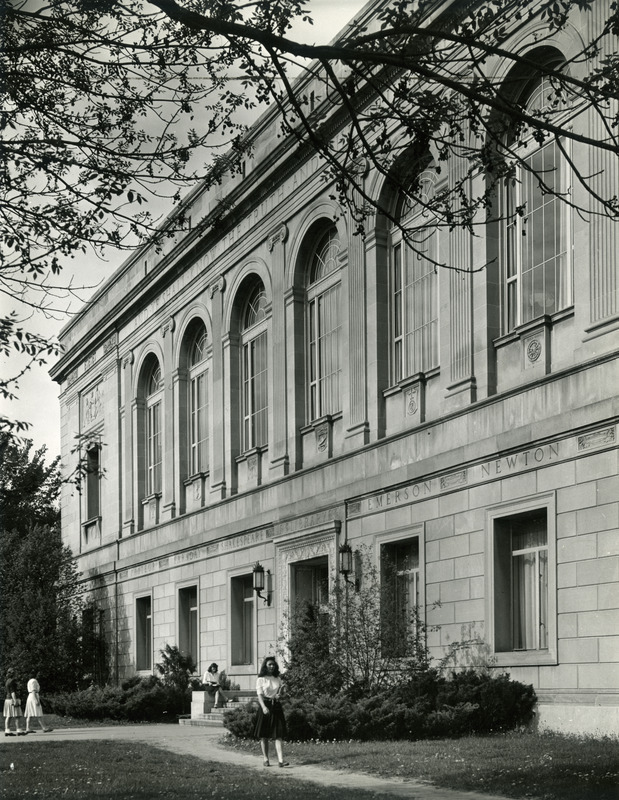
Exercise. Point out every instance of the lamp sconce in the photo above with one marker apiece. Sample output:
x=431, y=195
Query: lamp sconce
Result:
x=346, y=565
x=260, y=581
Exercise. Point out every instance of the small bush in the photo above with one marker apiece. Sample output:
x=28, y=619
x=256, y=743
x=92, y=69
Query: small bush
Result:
x=242, y=721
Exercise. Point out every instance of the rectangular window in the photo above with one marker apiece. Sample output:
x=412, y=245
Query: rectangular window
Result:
x=93, y=471
x=324, y=353
x=198, y=423
x=153, y=448
x=255, y=392
x=521, y=582
x=143, y=634
x=242, y=630
x=188, y=622
x=400, y=594
x=310, y=582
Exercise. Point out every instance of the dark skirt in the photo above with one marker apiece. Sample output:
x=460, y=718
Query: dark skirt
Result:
x=271, y=725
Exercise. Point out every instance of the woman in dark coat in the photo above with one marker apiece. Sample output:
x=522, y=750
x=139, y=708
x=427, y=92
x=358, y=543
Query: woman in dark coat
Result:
x=270, y=723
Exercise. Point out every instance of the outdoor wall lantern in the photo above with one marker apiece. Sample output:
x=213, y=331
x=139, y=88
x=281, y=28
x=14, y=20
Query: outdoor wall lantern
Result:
x=259, y=582
x=346, y=564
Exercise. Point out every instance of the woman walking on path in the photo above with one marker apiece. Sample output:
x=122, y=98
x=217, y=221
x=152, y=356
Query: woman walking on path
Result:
x=12, y=706
x=211, y=681
x=271, y=723
x=34, y=709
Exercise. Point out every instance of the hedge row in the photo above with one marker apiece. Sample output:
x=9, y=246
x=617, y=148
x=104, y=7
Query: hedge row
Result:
x=148, y=700
x=432, y=707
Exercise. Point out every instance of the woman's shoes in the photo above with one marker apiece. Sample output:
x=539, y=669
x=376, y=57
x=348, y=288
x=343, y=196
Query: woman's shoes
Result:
x=284, y=763
x=266, y=763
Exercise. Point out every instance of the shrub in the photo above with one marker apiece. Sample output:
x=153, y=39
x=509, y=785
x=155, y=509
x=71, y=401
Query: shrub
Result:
x=242, y=721
x=428, y=706
x=331, y=718
x=144, y=699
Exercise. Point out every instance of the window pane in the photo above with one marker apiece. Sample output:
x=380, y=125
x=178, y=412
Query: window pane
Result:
x=523, y=601
x=92, y=483
x=399, y=593
x=143, y=633
x=255, y=392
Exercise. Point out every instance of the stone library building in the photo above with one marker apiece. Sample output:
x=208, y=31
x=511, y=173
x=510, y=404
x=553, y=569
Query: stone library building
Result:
x=261, y=399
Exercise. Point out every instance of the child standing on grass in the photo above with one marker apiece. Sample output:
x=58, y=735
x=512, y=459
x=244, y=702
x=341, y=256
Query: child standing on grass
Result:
x=271, y=723
x=12, y=706
x=34, y=709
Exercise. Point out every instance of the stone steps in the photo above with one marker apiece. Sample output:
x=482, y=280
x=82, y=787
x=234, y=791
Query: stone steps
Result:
x=214, y=717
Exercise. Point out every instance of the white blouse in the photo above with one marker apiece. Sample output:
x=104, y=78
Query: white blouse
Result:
x=268, y=686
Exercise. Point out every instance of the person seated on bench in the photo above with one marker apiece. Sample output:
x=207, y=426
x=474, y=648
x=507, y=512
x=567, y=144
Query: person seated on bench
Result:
x=212, y=686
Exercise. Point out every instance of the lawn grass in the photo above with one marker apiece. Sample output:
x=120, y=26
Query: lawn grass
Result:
x=519, y=765
x=113, y=770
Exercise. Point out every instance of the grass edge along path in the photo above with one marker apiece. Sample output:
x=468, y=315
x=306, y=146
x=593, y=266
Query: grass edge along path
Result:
x=514, y=764
x=132, y=770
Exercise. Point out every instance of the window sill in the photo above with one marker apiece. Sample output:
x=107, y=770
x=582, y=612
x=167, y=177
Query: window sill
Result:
x=150, y=498
x=329, y=419
x=254, y=451
x=411, y=380
x=196, y=477
x=545, y=320
x=525, y=658
x=92, y=522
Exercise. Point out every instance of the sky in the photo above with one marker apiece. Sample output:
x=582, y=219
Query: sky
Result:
x=38, y=402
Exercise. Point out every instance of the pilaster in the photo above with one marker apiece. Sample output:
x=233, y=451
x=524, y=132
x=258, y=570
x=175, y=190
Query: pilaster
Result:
x=278, y=414
x=168, y=505
x=218, y=480
x=127, y=437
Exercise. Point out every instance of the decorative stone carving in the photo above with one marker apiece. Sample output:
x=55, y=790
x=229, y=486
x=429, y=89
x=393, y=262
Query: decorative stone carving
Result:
x=455, y=479
x=280, y=235
x=72, y=377
x=110, y=343
x=412, y=401
x=533, y=350
x=128, y=359
x=168, y=325
x=218, y=286
x=597, y=439
x=322, y=437
x=91, y=407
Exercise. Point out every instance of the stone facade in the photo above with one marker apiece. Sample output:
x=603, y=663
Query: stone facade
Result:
x=218, y=441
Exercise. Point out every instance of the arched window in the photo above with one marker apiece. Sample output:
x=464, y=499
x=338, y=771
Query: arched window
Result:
x=414, y=291
x=324, y=326
x=254, y=377
x=198, y=403
x=536, y=260
x=154, y=390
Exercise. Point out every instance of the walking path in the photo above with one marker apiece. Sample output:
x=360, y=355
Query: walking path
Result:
x=203, y=743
